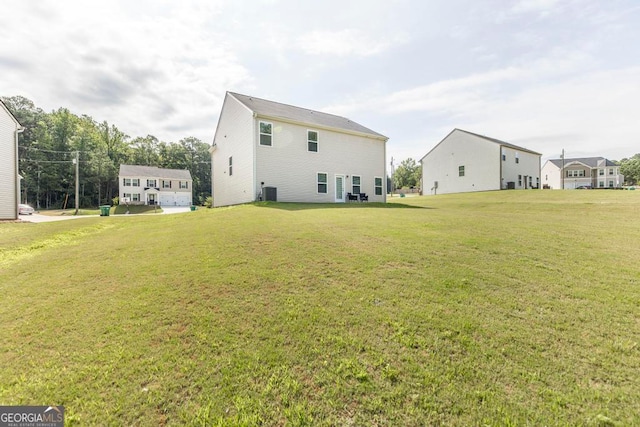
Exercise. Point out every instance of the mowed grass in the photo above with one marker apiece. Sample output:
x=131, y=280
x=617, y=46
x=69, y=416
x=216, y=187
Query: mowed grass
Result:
x=500, y=308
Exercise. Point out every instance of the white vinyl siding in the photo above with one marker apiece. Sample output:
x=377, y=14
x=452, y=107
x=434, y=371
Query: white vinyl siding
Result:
x=8, y=166
x=289, y=166
x=237, y=136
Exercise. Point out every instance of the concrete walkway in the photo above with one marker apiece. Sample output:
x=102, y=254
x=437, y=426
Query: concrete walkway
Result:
x=37, y=218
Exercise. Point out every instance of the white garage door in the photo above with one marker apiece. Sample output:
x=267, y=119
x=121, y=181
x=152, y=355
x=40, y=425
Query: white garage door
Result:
x=166, y=200
x=183, y=200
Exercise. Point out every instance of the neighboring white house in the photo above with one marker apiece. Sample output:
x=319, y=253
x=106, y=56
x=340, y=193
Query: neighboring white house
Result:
x=9, y=179
x=585, y=172
x=464, y=162
x=149, y=185
x=264, y=150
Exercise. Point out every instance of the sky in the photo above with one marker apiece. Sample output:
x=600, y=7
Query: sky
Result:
x=546, y=75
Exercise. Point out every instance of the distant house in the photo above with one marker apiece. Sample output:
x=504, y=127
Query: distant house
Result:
x=584, y=172
x=264, y=150
x=9, y=179
x=465, y=162
x=149, y=185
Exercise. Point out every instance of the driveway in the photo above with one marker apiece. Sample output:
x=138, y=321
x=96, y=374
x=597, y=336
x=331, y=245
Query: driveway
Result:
x=36, y=217
x=175, y=209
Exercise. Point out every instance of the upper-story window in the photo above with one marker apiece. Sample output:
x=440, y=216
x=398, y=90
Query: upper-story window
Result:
x=601, y=172
x=504, y=155
x=151, y=183
x=517, y=158
x=312, y=141
x=266, y=133
x=126, y=182
x=166, y=183
x=135, y=182
x=184, y=184
x=610, y=171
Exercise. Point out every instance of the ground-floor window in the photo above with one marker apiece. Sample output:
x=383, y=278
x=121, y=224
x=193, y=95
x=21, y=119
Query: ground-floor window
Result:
x=377, y=186
x=355, y=184
x=601, y=184
x=519, y=180
x=322, y=182
x=611, y=184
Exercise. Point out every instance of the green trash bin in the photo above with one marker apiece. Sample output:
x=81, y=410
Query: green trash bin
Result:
x=104, y=210
x=193, y=208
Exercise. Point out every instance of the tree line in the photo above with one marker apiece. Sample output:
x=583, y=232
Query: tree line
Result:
x=47, y=149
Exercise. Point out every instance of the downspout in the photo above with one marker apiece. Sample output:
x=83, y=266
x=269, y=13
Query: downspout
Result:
x=19, y=130
x=254, y=148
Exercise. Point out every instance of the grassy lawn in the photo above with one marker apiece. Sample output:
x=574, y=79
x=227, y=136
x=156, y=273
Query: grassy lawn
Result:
x=500, y=308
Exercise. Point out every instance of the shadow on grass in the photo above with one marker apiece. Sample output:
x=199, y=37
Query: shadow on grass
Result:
x=290, y=206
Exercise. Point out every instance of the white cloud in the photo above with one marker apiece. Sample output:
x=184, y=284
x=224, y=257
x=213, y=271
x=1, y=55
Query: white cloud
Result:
x=345, y=42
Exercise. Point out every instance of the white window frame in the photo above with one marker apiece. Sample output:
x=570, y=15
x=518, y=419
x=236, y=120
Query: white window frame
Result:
x=517, y=158
x=325, y=183
x=135, y=197
x=260, y=123
x=376, y=187
x=151, y=183
x=184, y=185
x=135, y=182
x=164, y=183
x=230, y=165
x=461, y=171
x=354, y=185
x=126, y=182
x=317, y=141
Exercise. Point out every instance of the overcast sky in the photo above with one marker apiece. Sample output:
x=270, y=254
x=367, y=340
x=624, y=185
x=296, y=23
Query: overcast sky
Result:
x=543, y=74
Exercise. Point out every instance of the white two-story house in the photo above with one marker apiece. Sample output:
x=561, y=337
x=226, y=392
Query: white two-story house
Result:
x=584, y=172
x=9, y=178
x=150, y=185
x=466, y=162
x=265, y=150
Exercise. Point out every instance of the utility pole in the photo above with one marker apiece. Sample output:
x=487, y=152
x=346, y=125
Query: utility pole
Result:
x=562, y=157
x=392, y=173
x=77, y=162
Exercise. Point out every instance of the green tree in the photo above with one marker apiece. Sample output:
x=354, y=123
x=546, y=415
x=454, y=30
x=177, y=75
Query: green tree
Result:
x=407, y=174
x=630, y=168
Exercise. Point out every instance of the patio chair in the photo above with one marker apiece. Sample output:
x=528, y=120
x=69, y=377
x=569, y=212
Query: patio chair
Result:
x=364, y=197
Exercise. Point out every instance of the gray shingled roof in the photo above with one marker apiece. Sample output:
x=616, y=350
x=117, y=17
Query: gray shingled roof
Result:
x=592, y=162
x=497, y=141
x=262, y=107
x=154, y=172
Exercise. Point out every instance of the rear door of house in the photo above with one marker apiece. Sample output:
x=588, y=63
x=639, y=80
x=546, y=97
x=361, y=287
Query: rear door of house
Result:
x=339, y=189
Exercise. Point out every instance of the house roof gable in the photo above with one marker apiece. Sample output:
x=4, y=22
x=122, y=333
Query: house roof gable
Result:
x=276, y=110
x=496, y=141
x=591, y=162
x=4, y=106
x=155, y=172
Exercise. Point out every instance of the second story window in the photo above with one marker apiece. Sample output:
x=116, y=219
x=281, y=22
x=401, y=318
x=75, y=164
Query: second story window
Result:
x=166, y=183
x=266, y=134
x=135, y=182
x=126, y=182
x=517, y=158
x=312, y=141
x=151, y=183
x=184, y=184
